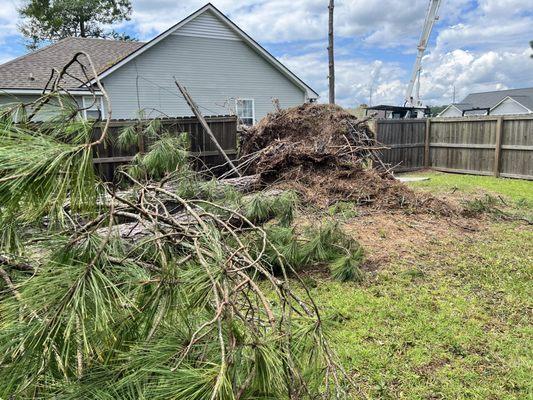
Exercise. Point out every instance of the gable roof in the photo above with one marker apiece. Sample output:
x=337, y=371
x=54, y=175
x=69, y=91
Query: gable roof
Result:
x=491, y=99
x=233, y=27
x=523, y=101
x=15, y=74
x=458, y=106
x=32, y=71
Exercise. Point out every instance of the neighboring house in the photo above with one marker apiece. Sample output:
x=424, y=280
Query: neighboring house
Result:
x=501, y=102
x=224, y=70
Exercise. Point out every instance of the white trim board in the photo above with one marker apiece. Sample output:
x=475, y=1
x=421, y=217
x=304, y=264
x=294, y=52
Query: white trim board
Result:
x=310, y=93
x=99, y=107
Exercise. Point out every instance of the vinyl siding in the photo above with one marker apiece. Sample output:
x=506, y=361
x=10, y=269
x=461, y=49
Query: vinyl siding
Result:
x=509, y=107
x=207, y=25
x=451, y=112
x=215, y=71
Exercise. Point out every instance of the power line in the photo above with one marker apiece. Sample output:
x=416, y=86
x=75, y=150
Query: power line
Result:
x=175, y=94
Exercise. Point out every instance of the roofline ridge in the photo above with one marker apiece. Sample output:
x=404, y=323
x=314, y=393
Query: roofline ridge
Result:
x=32, y=53
x=209, y=6
x=41, y=49
x=501, y=90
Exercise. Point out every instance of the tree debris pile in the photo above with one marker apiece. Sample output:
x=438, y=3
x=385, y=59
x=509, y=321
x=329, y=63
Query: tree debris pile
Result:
x=328, y=155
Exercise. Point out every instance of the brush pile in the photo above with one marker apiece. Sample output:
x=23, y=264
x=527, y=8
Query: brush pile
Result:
x=328, y=155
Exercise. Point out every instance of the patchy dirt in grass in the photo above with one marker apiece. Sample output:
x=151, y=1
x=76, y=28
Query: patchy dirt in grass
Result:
x=390, y=237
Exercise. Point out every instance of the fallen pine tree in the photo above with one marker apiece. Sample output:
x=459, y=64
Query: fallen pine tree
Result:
x=200, y=300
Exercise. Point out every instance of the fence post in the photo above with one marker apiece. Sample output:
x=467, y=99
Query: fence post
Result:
x=427, y=143
x=498, y=147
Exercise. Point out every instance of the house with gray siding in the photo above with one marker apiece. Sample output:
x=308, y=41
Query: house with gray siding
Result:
x=499, y=102
x=224, y=70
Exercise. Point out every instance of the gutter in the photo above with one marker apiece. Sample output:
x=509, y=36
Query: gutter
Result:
x=39, y=92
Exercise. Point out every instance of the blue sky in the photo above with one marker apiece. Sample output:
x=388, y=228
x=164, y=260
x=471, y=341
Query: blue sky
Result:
x=476, y=45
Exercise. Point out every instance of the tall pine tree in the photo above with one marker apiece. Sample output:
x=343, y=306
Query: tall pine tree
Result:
x=52, y=20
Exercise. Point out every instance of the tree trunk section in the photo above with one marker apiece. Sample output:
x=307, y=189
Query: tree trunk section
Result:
x=82, y=28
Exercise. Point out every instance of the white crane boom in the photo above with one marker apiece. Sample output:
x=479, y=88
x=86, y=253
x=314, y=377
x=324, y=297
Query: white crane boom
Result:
x=431, y=18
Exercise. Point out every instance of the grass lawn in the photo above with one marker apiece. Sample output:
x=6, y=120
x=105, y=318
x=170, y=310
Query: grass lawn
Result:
x=513, y=189
x=453, y=322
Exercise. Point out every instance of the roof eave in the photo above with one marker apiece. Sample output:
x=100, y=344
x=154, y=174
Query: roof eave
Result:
x=26, y=91
x=446, y=109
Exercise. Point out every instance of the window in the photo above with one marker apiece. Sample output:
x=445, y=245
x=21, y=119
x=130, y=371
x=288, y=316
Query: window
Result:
x=95, y=107
x=246, y=111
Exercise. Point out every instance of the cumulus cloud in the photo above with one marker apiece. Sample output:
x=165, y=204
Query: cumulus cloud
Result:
x=477, y=44
x=355, y=79
x=474, y=72
x=8, y=20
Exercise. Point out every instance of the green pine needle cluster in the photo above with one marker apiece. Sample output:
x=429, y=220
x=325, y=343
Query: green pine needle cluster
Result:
x=326, y=244
x=167, y=153
x=189, y=309
x=263, y=207
x=43, y=173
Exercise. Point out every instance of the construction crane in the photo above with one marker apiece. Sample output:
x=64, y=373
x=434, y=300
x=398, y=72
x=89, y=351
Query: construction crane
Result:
x=431, y=18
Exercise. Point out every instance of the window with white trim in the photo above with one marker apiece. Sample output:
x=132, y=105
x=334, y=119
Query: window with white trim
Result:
x=93, y=107
x=246, y=111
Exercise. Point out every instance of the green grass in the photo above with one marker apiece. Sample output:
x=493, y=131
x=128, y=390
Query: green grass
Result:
x=451, y=327
x=514, y=189
x=455, y=324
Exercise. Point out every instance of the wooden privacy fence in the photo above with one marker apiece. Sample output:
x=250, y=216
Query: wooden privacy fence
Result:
x=493, y=145
x=109, y=156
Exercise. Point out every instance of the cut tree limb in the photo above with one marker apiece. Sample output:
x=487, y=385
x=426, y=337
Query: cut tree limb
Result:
x=196, y=111
x=243, y=184
x=135, y=231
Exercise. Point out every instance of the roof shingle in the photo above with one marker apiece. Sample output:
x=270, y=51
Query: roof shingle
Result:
x=490, y=99
x=104, y=53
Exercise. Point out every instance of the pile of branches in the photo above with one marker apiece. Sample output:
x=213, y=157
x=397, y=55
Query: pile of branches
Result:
x=177, y=288
x=327, y=155
x=311, y=135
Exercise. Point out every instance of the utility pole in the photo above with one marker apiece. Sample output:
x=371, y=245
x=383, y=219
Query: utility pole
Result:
x=331, y=54
x=453, y=101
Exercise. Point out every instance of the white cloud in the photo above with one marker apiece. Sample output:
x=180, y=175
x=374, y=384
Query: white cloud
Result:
x=384, y=23
x=474, y=72
x=479, y=44
x=8, y=20
x=354, y=78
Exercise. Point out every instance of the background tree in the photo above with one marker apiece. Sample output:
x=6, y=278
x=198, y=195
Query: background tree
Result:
x=436, y=110
x=52, y=20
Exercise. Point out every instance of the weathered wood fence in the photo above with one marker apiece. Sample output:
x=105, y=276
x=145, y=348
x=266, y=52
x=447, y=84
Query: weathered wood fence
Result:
x=493, y=145
x=109, y=156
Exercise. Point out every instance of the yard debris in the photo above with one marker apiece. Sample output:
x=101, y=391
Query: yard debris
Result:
x=328, y=155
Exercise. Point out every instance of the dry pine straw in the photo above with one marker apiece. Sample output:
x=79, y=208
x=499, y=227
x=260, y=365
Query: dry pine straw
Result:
x=389, y=236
